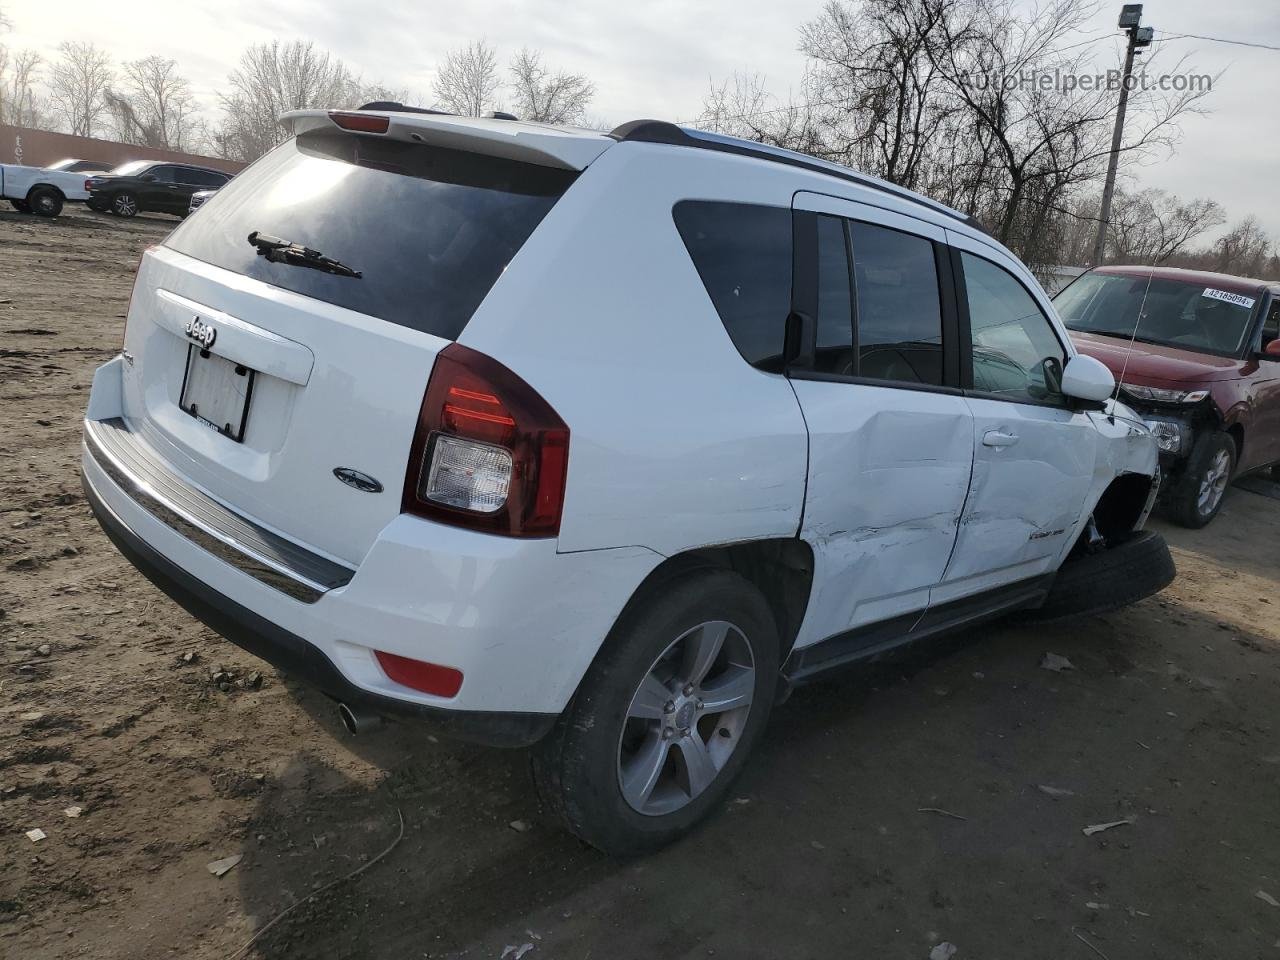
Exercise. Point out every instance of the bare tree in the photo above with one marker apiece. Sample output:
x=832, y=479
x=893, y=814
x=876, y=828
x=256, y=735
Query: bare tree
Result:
x=742, y=107
x=78, y=83
x=272, y=79
x=883, y=98
x=538, y=94
x=467, y=82
x=153, y=106
x=21, y=103
x=1151, y=226
x=1243, y=250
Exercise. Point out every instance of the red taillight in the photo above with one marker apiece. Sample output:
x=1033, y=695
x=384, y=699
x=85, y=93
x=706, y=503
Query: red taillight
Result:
x=360, y=122
x=489, y=453
x=420, y=675
x=88, y=185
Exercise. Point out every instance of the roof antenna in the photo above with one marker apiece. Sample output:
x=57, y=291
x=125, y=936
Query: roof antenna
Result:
x=1142, y=309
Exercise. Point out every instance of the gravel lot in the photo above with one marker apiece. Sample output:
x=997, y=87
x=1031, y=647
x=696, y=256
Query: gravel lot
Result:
x=897, y=808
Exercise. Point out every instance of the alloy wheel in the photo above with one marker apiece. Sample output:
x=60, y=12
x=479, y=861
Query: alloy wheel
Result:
x=686, y=718
x=1214, y=483
x=126, y=205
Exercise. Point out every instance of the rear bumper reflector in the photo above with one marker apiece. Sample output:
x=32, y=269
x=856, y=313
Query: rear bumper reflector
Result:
x=420, y=675
x=266, y=556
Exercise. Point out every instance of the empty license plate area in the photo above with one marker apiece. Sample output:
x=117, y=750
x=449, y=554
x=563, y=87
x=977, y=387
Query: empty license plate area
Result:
x=216, y=391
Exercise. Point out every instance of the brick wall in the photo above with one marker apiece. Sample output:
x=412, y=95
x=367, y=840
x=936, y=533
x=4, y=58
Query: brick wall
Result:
x=39, y=148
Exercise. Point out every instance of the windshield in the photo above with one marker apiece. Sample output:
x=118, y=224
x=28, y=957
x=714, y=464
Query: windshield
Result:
x=430, y=229
x=130, y=168
x=1177, y=313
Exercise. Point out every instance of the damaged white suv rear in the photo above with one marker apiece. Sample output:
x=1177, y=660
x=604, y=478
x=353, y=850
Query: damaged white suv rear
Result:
x=600, y=443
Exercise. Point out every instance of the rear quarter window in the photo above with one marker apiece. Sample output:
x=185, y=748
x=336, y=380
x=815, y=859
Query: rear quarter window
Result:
x=431, y=229
x=742, y=252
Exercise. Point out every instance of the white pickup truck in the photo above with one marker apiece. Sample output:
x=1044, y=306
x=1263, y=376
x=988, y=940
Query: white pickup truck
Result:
x=44, y=190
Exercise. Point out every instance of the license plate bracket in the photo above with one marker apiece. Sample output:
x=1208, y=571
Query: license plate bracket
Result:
x=216, y=392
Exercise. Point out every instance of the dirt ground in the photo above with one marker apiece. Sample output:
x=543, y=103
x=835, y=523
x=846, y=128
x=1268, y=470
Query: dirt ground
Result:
x=887, y=812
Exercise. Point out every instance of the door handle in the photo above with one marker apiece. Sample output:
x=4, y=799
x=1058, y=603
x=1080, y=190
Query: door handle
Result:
x=998, y=438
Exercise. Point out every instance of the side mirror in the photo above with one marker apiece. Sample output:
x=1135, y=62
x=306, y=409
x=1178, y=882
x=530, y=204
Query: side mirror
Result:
x=1087, y=379
x=148, y=178
x=1272, y=350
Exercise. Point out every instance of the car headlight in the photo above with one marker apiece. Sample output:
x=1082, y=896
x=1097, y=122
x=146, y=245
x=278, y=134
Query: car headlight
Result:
x=1163, y=396
x=1169, y=434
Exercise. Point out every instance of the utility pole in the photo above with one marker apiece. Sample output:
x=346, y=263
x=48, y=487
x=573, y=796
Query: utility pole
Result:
x=1130, y=18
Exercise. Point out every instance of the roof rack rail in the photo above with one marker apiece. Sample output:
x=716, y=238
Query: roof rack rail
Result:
x=391, y=106
x=663, y=131
x=500, y=115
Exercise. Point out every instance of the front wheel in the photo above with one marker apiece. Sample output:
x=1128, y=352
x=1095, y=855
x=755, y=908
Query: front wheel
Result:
x=1197, y=497
x=124, y=204
x=666, y=715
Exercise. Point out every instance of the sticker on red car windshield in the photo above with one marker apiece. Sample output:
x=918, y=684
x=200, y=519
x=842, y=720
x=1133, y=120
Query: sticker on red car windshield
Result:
x=1238, y=299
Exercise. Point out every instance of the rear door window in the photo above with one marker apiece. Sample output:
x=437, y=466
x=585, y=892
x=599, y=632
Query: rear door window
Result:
x=742, y=252
x=431, y=229
x=899, y=309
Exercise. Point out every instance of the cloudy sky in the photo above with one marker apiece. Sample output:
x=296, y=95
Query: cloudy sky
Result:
x=656, y=59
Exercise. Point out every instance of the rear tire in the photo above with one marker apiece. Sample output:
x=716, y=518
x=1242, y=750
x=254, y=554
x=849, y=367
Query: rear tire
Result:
x=641, y=756
x=1100, y=582
x=124, y=204
x=45, y=201
x=1197, y=496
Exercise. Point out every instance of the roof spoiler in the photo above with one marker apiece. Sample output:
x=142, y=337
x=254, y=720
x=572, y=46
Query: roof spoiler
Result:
x=545, y=146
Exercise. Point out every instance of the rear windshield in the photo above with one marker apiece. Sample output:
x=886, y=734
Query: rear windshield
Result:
x=430, y=229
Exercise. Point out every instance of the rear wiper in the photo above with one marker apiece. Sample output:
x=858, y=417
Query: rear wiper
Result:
x=295, y=254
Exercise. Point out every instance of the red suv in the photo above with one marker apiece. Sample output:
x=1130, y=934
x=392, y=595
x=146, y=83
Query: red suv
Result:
x=1203, y=371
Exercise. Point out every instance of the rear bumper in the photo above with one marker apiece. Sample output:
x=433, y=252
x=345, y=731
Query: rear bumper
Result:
x=296, y=656
x=521, y=621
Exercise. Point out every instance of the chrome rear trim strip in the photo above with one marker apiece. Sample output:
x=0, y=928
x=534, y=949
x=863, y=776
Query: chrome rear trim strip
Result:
x=262, y=554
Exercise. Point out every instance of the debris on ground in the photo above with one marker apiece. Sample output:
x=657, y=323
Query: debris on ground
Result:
x=519, y=826
x=1056, y=663
x=940, y=812
x=44, y=650
x=1090, y=830
x=1094, y=905
x=73, y=811
x=36, y=835
x=1055, y=792
x=512, y=952
x=943, y=951
x=219, y=867
x=1267, y=898
x=1088, y=943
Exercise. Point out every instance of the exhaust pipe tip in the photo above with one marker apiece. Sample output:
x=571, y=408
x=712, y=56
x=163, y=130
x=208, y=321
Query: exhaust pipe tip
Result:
x=357, y=720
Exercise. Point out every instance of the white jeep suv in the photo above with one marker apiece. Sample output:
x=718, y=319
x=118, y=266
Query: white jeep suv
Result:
x=600, y=442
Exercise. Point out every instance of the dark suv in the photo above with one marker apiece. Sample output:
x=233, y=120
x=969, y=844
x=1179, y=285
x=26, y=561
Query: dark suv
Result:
x=149, y=185
x=1202, y=366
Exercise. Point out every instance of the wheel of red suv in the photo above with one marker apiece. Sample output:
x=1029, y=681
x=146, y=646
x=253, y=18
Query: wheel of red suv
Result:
x=124, y=204
x=666, y=715
x=1197, y=496
x=45, y=201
